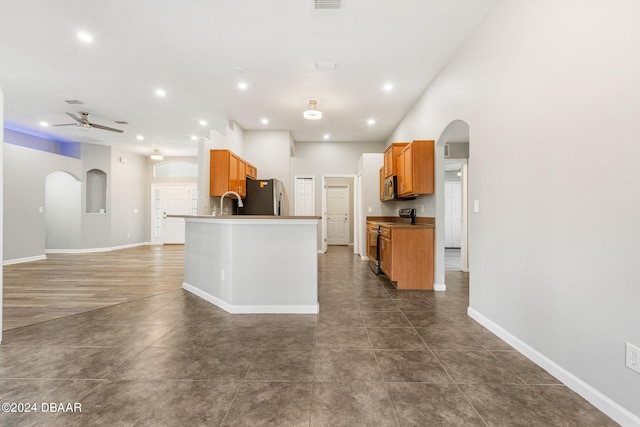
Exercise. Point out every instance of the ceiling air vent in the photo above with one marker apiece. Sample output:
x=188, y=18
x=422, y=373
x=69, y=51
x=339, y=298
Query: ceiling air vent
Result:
x=73, y=101
x=328, y=4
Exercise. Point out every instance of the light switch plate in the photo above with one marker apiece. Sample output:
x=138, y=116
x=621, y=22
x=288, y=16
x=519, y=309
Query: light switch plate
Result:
x=476, y=205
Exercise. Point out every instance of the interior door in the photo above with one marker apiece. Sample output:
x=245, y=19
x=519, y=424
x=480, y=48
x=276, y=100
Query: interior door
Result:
x=452, y=214
x=338, y=215
x=176, y=200
x=304, y=197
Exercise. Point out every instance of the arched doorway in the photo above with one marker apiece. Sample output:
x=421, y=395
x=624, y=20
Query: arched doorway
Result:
x=452, y=243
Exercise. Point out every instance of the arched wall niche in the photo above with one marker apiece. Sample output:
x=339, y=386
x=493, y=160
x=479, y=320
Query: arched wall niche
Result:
x=96, y=191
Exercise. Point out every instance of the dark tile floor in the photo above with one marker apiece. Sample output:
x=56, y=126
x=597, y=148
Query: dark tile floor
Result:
x=373, y=356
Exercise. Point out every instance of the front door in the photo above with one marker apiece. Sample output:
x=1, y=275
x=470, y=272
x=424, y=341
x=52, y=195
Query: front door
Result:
x=172, y=199
x=338, y=215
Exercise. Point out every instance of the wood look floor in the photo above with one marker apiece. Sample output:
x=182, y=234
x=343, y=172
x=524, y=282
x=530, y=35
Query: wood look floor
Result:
x=66, y=284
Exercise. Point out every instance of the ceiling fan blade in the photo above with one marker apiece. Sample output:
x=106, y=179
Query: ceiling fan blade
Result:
x=106, y=128
x=66, y=124
x=74, y=117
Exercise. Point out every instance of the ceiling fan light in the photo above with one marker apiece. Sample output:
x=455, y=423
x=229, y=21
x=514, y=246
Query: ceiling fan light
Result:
x=156, y=155
x=311, y=113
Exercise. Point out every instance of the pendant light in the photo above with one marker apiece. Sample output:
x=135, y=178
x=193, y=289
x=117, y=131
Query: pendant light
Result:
x=311, y=113
x=156, y=155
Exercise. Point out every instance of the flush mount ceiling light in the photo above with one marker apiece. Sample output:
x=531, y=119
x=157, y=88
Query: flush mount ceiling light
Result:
x=156, y=155
x=311, y=113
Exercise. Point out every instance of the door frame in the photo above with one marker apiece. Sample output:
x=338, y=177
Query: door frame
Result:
x=352, y=203
x=159, y=240
x=464, y=247
x=313, y=189
x=346, y=187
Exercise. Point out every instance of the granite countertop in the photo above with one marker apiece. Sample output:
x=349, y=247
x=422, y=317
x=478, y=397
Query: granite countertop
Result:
x=273, y=217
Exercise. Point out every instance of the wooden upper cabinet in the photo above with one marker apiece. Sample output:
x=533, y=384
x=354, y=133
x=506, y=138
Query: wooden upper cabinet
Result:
x=416, y=169
x=252, y=171
x=228, y=172
x=382, y=183
x=390, y=156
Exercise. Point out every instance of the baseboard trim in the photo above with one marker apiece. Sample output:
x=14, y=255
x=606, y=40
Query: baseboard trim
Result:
x=21, y=260
x=439, y=287
x=592, y=395
x=251, y=309
x=93, y=250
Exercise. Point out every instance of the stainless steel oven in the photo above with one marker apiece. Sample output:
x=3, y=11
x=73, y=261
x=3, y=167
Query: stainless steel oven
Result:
x=373, y=246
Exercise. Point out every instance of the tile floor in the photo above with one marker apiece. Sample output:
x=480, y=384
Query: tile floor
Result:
x=374, y=356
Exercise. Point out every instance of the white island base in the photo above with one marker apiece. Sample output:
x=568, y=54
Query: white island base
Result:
x=249, y=264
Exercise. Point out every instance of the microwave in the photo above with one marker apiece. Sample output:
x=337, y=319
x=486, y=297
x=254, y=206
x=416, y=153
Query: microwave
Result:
x=389, y=188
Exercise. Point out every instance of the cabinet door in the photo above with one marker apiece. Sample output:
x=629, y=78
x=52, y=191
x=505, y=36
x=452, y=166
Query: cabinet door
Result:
x=238, y=176
x=388, y=162
x=408, y=169
x=401, y=174
x=405, y=172
x=219, y=172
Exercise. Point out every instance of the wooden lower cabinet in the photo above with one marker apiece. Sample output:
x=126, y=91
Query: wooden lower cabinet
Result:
x=407, y=256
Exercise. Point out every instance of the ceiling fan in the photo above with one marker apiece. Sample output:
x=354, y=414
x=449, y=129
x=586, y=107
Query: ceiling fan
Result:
x=84, y=123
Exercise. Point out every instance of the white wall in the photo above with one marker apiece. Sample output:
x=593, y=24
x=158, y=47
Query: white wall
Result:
x=269, y=152
x=62, y=210
x=24, y=225
x=320, y=159
x=130, y=206
x=550, y=92
x=1, y=205
x=24, y=195
x=369, y=167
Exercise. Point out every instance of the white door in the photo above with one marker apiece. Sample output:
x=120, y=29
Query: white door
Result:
x=338, y=215
x=304, y=203
x=452, y=214
x=172, y=199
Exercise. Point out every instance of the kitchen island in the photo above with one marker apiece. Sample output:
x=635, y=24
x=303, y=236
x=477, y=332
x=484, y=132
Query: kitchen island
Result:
x=252, y=264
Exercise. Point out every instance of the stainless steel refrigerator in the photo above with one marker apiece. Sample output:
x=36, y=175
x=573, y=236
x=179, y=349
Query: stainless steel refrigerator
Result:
x=264, y=197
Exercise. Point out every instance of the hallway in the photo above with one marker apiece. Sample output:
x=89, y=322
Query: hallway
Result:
x=373, y=356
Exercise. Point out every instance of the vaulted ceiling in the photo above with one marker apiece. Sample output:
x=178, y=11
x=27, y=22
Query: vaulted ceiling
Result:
x=248, y=61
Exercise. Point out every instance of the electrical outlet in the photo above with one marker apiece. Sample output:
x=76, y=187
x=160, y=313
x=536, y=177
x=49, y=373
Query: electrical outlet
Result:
x=632, y=359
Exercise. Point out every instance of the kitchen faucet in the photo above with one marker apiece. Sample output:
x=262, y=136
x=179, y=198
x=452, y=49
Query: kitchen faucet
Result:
x=235, y=194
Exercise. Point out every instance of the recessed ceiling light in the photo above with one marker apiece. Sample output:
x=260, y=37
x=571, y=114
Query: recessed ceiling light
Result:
x=161, y=93
x=194, y=138
x=203, y=122
x=243, y=85
x=44, y=124
x=371, y=122
x=388, y=87
x=85, y=37
x=265, y=121
x=326, y=136
x=139, y=137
